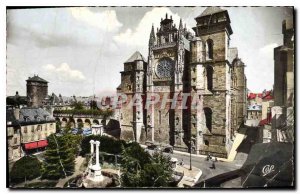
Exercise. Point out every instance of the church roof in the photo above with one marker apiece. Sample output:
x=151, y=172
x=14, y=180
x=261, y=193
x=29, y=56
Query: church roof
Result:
x=210, y=11
x=36, y=78
x=137, y=56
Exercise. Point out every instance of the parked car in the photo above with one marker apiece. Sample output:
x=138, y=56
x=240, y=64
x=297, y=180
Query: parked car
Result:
x=74, y=131
x=87, y=132
x=153, y=147
x=168, y=149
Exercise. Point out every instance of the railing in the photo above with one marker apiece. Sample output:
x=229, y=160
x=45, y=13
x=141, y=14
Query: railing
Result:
x=165, y=45
x=77, y=115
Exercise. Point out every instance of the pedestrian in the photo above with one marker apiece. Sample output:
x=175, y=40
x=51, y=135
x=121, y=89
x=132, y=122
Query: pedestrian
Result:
x=181, y=163
x=213, y=166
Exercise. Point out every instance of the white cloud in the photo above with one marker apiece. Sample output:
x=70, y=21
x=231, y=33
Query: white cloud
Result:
x=140, y=35
x=64, y=72
x=106, y=20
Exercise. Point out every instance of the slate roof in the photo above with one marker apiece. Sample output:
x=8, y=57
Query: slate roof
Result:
x=137, y=56
x=210, y=11
x=10, y=117
x=32, y=114
x=36, y=78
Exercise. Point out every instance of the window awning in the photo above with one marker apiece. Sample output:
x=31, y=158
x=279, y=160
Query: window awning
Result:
x=29, y=146
x=37, y=144
x=42, y=143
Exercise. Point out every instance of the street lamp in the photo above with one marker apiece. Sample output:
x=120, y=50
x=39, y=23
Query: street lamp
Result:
x=190, y=153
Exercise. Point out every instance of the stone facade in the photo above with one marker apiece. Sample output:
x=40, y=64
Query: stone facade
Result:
x=284, y=85
x=37, y=91
x=179, y=62
x=27, y=125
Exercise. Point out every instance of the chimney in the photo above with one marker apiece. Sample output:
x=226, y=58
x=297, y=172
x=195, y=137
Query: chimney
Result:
x=17, y=113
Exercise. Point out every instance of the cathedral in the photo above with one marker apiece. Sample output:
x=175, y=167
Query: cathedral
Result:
x=201, y=64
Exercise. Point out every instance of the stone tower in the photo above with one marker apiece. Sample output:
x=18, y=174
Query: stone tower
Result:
x=132, y=85
x=213, y=78
x=37, y=91
x=168, y=54
x=203, y=67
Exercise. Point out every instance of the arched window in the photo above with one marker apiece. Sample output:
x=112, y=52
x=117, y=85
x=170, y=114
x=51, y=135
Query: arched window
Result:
x=208, y=118
x=209, y=49
x=206, y=142
x=209, y=76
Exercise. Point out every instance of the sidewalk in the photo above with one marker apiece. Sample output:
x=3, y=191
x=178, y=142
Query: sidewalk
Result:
x=78, y=162
x=188, y=154
x=190, y=176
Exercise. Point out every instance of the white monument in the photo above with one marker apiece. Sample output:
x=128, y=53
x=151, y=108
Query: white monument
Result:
x=97, y=130
x=95, y=169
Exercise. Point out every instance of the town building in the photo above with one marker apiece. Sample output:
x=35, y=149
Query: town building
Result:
x=28, y=125
x=27, y=130
x=179, y=62
x=283, y=110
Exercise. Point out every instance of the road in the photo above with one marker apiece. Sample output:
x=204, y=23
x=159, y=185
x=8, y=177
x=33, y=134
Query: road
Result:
x=201, y=163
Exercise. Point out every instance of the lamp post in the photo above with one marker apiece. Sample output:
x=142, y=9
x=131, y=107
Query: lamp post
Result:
x=190, y=154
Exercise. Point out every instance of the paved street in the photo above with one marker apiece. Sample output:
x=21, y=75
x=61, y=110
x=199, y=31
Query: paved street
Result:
x=200, y=162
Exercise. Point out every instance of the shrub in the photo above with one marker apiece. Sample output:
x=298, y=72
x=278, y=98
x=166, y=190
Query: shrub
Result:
x=28, y=167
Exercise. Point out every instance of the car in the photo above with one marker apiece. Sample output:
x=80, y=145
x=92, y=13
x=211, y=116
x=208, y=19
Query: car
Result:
x=153, y=146
x=74, y=131
x=87, y=132
x=168, y=149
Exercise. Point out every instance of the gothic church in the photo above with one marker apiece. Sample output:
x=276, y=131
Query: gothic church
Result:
x=200, y=63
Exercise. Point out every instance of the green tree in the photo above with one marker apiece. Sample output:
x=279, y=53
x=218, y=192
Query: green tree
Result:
x=60, y=156
x=28, y=167
x=77, y=105
x=142, y=170
x=58, y=126
x=159, y=172
x=107, y=144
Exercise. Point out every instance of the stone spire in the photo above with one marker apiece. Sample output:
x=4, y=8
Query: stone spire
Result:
x=152, y=36
x=180, y=24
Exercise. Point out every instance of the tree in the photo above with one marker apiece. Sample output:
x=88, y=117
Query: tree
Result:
x=26, y=168
x=93, y=105
x=159, y=172
x=58, y=126
x=107, y=144
x=60, y=156
x=77, y=105
x=143, y=170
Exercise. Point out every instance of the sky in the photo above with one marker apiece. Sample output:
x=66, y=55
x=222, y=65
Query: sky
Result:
x=81, y=50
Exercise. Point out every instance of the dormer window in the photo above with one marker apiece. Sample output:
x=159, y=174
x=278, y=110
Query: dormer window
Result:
x=37, y=118
x=26, y=118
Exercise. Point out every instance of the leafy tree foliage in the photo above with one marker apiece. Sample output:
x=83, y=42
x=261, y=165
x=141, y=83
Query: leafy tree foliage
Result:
x=104, y=113
x=28, y=167
x=60, y=156
x=77, y=105
x=142, y=170
x=107, y=144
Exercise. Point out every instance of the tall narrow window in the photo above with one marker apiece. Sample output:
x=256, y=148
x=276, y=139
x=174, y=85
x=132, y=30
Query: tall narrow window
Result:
x=159, y=116
x=209, y=76
x=208, y=118
x=209, y=49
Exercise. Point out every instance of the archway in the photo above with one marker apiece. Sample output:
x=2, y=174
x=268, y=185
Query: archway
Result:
x=87, y=123
x=96, y=122
x=80, y=123
x=64, y=122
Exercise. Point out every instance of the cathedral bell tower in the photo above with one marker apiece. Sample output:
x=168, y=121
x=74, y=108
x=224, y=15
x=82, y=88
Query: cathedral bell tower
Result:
x=210, y=73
